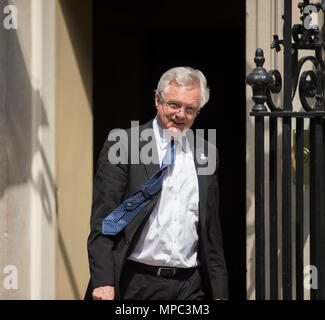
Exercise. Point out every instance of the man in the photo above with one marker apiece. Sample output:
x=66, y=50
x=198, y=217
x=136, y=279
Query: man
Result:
x=172, y=248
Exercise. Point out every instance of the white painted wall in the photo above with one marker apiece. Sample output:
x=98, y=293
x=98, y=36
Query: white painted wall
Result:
x=27, y=156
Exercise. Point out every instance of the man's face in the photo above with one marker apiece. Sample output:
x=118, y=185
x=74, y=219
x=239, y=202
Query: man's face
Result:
x=178, y=108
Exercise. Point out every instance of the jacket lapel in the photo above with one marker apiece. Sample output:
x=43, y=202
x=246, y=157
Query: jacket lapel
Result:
x=202, y=181
x=132, y=228
x=153, y=166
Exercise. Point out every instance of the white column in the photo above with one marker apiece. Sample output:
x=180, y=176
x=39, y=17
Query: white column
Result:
x=263, y=20
x=42, y=254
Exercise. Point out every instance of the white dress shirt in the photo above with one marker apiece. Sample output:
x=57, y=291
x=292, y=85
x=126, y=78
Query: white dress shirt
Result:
x=170, y=236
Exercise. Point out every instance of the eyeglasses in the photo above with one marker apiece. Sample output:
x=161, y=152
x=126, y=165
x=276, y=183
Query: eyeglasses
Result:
x=177, y=106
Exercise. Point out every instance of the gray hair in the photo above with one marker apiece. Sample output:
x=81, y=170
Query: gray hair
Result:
x=184, y=76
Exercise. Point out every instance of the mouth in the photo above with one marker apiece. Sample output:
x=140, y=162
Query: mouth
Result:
x=179, y=125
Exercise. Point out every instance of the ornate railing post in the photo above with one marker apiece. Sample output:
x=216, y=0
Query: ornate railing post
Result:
x=259, y=80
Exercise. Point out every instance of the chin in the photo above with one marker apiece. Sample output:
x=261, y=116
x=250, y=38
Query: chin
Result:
x=176, y=132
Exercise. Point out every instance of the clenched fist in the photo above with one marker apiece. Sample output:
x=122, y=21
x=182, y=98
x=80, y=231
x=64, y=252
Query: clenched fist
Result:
x=103, y=293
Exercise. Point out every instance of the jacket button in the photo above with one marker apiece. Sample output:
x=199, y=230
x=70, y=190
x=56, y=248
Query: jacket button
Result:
x=127, y=242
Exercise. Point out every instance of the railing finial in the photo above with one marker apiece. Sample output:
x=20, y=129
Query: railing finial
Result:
x=259, y=79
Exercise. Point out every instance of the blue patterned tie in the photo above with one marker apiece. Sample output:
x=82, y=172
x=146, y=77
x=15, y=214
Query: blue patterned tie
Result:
x=126, y=211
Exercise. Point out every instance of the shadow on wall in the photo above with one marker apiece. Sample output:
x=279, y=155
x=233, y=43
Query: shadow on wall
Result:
x=74, y=12
x=15, y=112
x=21, y=107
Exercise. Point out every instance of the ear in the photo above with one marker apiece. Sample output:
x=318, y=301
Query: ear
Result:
x=157, y=100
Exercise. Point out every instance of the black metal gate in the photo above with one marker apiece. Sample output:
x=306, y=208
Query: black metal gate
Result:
x=310, y=85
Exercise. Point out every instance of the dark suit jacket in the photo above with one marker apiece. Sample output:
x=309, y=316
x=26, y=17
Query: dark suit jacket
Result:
x=116, y=182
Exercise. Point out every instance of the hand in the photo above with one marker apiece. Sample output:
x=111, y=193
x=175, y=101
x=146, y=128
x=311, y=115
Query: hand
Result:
x=103, y=293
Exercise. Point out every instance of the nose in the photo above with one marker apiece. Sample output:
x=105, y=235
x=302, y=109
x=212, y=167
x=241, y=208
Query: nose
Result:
x=180, y=113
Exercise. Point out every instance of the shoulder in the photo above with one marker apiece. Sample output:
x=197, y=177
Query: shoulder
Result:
x=120, y=143
x=125, y=135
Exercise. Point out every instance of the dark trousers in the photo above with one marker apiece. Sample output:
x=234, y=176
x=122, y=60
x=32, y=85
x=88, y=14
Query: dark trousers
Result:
x=140, y=284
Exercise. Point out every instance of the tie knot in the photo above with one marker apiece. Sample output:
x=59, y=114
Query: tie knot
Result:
x=169, y=157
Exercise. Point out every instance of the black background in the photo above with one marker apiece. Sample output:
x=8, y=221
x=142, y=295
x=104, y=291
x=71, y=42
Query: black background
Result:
x=134, y=43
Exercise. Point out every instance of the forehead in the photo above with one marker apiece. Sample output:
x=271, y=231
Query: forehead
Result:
x=188, y=94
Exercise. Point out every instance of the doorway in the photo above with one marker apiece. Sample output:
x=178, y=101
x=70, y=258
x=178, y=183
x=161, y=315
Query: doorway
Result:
x=134, y=43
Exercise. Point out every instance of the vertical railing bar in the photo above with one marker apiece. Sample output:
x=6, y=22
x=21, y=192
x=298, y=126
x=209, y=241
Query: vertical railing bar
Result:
x=321, y=241
x=287, y=69
x=312, y=223
x=259, y=210
x=286, y=211
x=322, y=222
x=317, y=234
x=286, y=145
x=299, y=207
x=273, y=209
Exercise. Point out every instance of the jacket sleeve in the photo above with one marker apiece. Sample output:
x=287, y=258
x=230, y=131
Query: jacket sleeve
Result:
x=217, y=264
x=108, y=191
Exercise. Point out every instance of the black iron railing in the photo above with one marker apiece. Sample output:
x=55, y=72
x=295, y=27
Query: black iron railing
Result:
x=310, y=85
